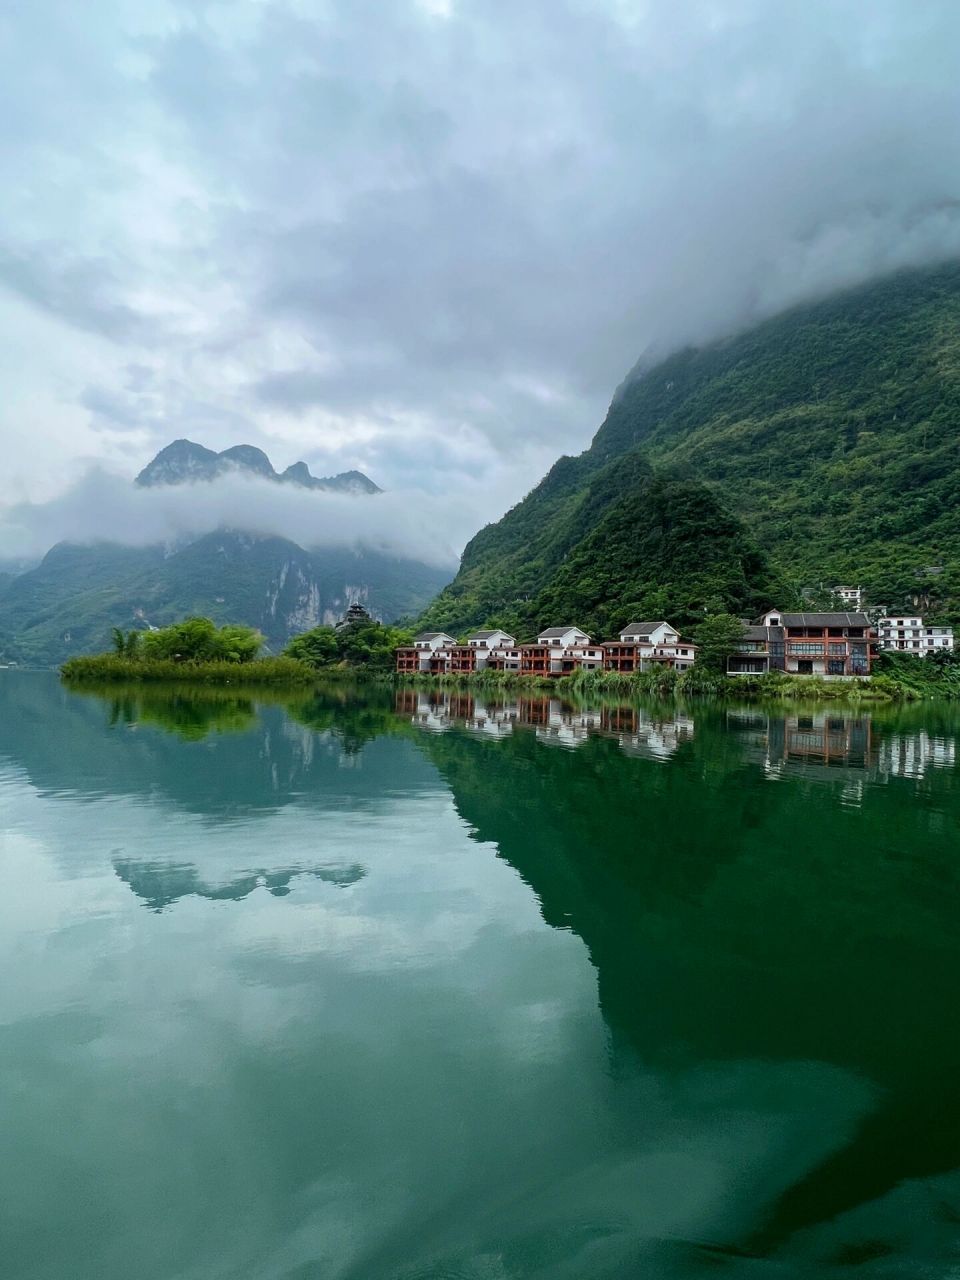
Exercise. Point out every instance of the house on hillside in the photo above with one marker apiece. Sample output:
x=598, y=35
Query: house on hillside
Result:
x=833, y=645
x=849, y=597
x=904, y=634
x=645, y=645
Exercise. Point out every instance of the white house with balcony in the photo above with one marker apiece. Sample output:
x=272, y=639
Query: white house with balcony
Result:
x=903, y=633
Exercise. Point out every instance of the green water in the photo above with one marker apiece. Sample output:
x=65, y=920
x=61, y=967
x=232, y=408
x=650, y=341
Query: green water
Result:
x=409, y=987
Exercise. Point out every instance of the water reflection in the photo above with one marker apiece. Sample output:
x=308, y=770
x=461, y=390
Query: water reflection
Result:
x=654, y=733
x=160, y=884
x=424, y=995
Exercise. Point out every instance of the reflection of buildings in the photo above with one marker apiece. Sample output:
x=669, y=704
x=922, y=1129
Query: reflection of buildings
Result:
x=911, y=755
x=555, y=722
x=818, y=744
x=641, y=734
x=807, y=744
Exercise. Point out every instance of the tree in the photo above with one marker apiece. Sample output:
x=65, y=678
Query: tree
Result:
x=317, y=648
x=200, y=640
x=361, y=644
x=119, y=642
x=717, y=637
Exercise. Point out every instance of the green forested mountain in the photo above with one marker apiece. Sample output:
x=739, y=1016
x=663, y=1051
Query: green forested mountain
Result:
x=70, y=601
x=819, y=447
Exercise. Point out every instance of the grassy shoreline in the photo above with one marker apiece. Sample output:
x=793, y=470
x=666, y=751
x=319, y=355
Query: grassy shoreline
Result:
x=111, y=668
x=773, y=686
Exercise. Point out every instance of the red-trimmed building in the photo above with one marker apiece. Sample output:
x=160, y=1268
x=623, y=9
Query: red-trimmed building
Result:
x=645, y=645
x=834, y=645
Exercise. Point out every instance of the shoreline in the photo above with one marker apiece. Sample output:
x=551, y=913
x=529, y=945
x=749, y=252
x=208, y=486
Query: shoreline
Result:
x=259, y=673
x=692, y=685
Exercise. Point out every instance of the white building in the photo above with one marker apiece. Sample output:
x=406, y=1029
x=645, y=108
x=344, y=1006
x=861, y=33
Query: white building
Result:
x=491, y=640
x=563, y=637
x=495, y=649
x=905, y=634
x=645, y=644
x=430, y=641
x=852, y=597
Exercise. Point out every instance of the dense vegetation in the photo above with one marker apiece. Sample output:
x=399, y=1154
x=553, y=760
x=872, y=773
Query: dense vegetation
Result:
x=624, y=543
x=195, y=650
x=71, y=600
x=828, y=434
x=368, y=645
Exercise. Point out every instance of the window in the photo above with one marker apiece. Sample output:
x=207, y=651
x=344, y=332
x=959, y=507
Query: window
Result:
x=835, y=666
x=815, y=650
x=774, y=622
x=838, y=650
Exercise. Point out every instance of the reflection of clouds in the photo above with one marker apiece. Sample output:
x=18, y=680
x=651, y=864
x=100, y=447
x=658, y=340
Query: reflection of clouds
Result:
x=407, y=1075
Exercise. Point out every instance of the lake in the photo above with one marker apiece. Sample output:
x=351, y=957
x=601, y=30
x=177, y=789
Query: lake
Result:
x=412, y=984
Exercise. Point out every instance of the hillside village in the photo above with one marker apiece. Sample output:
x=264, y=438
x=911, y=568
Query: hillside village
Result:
x=839, y=645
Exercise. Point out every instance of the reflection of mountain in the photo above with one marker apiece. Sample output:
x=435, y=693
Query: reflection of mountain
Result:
x=160, y=884
x=322, y=755
x=737, y=915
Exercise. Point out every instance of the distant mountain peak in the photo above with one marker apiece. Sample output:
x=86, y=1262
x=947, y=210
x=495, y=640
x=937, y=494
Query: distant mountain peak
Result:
x=185, y=462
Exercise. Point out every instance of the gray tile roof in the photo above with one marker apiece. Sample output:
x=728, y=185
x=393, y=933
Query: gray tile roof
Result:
x=485, y=635
x=642, y=628
x=557, y=632
x=824, y=620
x=430, y=635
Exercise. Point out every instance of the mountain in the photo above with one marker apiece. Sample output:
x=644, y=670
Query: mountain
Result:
x=825, y=440
x=597, y=545
x=184, y=462
x=69, y=602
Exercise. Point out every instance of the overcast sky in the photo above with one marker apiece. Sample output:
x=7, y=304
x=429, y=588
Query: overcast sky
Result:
x=427, y=238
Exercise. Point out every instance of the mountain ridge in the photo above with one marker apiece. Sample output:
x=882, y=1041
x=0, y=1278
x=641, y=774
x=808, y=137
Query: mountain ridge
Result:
x=186, y=462
x=827, y=434
x=70, y=600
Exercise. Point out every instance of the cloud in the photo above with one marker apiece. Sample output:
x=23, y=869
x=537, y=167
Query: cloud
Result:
x=429, y=239
x=104, y=507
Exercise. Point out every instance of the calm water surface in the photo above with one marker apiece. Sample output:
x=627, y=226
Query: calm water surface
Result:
x=408, y=987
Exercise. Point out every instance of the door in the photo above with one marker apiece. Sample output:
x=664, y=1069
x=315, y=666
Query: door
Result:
x=804, y=666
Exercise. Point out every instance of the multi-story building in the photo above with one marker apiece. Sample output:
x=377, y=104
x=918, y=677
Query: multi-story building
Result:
x=904, y=634
x=805, y=644
x=427, y=655
x=560, y=651
x=643, y=645
x=849, y=597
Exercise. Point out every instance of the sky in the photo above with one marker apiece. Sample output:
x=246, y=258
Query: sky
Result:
x=428, y=238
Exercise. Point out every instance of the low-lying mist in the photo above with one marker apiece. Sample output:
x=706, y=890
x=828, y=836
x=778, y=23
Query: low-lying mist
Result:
x=103, y=507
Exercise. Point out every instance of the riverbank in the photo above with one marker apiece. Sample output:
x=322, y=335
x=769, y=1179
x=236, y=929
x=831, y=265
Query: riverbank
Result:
x=258, y=673
x=665, y=683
